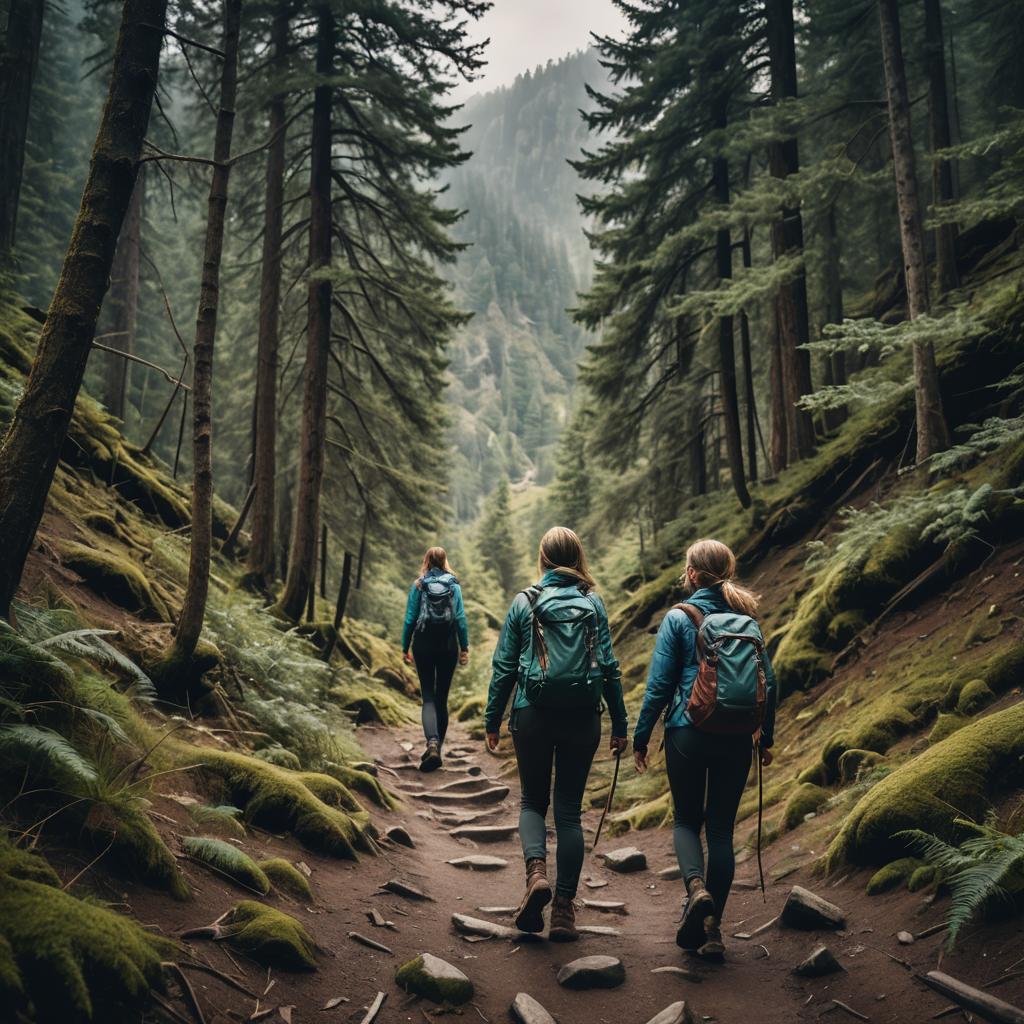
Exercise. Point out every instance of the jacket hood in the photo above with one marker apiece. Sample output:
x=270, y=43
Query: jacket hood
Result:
x=708, y=600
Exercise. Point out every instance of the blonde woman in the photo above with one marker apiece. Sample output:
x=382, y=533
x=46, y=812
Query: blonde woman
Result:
x=556, y=650
x=435, y=628
x=706, y=770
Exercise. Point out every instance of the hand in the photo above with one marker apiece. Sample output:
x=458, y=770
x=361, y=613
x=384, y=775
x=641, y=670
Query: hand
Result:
x=640, y=759
x=407, y=657
x=463, y=657
x=618, y=744
x=492, y=741
x=766, y=757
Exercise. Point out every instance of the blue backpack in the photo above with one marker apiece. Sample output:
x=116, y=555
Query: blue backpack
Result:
x=436, y=620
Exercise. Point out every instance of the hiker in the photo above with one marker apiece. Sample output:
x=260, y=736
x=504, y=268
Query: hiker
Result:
x=712, y=674
x=435, y=626
x=556, y=646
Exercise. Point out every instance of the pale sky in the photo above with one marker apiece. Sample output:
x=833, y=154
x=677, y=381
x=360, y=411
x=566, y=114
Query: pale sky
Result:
x=525, y=33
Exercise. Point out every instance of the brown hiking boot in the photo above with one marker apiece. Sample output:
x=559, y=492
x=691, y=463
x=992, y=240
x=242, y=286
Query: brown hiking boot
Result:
x=699, y=906
x=431, y=759
x=530, y=915
x=563, y=921
x=714, y=947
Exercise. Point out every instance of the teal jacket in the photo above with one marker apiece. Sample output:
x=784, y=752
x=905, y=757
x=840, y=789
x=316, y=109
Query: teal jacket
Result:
x=412, y=611
x=514, y=644
x=674, y=668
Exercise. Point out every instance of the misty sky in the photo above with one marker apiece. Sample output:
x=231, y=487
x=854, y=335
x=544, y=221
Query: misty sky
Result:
x=525, y=33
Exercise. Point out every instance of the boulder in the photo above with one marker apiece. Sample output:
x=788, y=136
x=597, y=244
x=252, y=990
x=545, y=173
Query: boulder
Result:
x=805, y=909
x=436, y=979
x=819, y=963
x=526, y=1010
x=625, y=859
x=397, y=834
x=592, y=972
x=677, y=1013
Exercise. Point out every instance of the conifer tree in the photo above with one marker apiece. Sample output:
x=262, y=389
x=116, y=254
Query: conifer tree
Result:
x=500, y=548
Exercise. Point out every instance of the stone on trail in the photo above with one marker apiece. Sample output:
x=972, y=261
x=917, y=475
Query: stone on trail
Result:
x=679, y=972
x=493, y=795
x=670, y=874
x=466, y=925
x=606, y=906
x=479, y=862
x=410, y=892
x=595, y=883
x=369, y=943
x=677, y=1013
x=485, y=833
x=436, y=979
x=819, y=963
x=526, y=1010
x=592, y=972
x=474, y=769
x=905, y=938
x=497, y=911
x=626, y=858
x=597, y=929
x=459, y=785
x=804, y=909
x=397, y=834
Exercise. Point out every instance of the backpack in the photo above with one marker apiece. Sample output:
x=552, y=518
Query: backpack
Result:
x=562, y=668
x=730, y=691
x=436, y=619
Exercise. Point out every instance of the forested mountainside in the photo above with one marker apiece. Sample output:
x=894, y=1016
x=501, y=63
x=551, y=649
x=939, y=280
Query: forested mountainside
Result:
x=250, y=369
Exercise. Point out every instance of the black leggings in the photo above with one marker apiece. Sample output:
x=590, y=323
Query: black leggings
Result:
x=707, y=774
x=564, y=740
x=435, y=669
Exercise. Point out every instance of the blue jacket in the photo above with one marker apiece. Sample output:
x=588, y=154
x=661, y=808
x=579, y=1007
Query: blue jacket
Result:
x=412, y=610
x=515, y=640
x=674, y=668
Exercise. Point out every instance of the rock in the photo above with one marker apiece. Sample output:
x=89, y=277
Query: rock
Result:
x=436, y=979
x=595, y=883
x=484, y=833
x=804, y=909
x=679, y=972
x=627, y=858
x=462, y=785
x=592, y=972
x=670, y=874
x=526, y=1010
x=466, y=925
x=378, y=920
x=474, y=769
x=370, y=943
x=410, y=892
x=606, y=906
x=479, y=862
x=904, y=938
x=498, y=911
x=597, y=929
x=677, y=1013
x=492, y=795
x=819, y=963
x=397, y=834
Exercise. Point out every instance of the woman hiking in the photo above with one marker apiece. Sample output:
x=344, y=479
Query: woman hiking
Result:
x=556, y=646
x=710, y=641
x=435, y=626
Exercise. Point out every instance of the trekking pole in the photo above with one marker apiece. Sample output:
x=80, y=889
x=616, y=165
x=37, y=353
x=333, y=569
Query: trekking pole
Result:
x=760, y=806
x=608, y=802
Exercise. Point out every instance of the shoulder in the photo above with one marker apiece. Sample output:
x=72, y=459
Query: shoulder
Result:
x=598, y=603
x=415, y=586
x=676, y=622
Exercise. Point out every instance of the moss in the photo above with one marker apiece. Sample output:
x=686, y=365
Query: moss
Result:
x=893, y=874
x=18, y=863
x=853, y=762
x=816, y=774
x=413, y=977
x=954, y=778
x=472, y=708
x=945, y=725
x=181, y=679
x=223, y=818
x=279, y=756
x=974, y=696
x=228, y=860
x=287, y=878
x=329, y=790
x=279, y=799
x=844, y=627
x=951, y=697
x=805, y=799
x=922, y=877
x=362, y=782
x=74, y=961
x=116, y=579
x=368, y=702
x=269, y=936
x=650, y=814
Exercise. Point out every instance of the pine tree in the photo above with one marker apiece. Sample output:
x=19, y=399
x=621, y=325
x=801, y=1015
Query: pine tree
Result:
x=500, y=548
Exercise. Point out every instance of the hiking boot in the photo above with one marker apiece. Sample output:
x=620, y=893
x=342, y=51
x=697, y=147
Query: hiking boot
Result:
x=563, y=921
x=698, y=906
x=714, y=947
x=530, y=915
x=431, y=759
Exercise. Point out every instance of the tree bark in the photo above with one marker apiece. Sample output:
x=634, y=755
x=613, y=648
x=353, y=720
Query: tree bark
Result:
x=749, y=401
x=932, y=432
x=778, y=441
x=17, y=69
x=939, y=137
x=833, y=287
x=190, y=622
x=306, y=514
x=339, y=608
x=31, y=447
x=124, y=296
x=261, y=550
x=788, y=240
x=698, y=465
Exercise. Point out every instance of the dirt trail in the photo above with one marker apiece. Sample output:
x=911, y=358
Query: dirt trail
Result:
x=755, y=982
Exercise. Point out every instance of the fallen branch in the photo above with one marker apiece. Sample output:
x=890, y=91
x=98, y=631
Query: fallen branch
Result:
x=974, y=999
x=194, y=965
x=374, y=1008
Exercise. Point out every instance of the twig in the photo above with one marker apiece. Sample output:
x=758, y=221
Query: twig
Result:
x=67, y=885
x=195, y=965
x=481, y=1012
x=185, y=39
x=145, y=362
x=850, y=1010
x=374, y=1008
x=169, y=1010
x=186, y=987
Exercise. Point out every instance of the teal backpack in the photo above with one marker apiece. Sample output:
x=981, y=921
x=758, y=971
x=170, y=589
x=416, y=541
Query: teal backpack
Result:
x=560, y=668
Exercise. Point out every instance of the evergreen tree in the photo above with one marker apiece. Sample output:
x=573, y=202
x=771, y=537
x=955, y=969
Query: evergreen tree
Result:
x=500, y=547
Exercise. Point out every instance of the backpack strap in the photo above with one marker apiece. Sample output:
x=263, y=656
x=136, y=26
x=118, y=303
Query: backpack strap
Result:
x=696, y=616
x=540, y=647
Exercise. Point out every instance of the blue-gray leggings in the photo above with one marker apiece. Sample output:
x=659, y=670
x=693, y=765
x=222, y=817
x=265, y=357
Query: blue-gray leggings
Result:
x=707, y=774
x=565, y=741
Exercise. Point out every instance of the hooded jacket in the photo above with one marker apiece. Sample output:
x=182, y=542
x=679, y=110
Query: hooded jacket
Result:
x=514, y=648
x=412, y=609
x=674, y=667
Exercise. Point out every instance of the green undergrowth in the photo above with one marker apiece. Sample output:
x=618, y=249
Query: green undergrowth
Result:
x=286, y=878
x=227, y=860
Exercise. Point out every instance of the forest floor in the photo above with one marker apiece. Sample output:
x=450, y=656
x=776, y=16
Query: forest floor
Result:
x=755, y=980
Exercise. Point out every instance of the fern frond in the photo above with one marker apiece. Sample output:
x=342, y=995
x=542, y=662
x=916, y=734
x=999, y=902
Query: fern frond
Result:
x=223, y=816
x=89, y=645
x=229, y=860
x=49, y=753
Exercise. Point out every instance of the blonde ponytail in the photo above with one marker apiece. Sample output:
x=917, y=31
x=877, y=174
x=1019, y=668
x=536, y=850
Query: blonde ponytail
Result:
x=714, y=564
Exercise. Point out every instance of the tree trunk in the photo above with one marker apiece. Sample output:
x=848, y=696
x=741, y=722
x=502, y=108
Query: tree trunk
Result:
x=190, y=622
x=17, y=69
x=833, y=288
x=778, y=441
x=698, y=465
x=932, y=433
x=261, y=550
x=302, y=557
x=939, y=138
x=788, y=240
x=31, y=447
x=339, y=608
x=124, y=295
x=749, y=401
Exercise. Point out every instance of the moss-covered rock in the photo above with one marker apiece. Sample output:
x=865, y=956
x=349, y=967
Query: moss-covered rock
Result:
x=974, y=696
x=228, y=860
x=268, y=936
x=279, y=756
x=815, y=774
x=893, y=874
x=922, y=877
x=853, y=762
x=285, y=877
x=806, y=798
x=117, y=579
x=649, y=814
x=954, y=778
x=368, y=702
x=945, y=725
x=436, y=979
x=471, y=708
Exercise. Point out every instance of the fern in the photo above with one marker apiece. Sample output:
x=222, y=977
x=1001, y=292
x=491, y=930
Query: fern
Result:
x=981, y=872
x=223, y=816
x=229, y=860
x=991, y=435
x=89, y=645
x=23, y=744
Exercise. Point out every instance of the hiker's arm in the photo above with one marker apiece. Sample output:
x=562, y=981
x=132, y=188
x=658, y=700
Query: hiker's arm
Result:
x=504, y=667
x=768, y=726
x=672, y=649
x=459, y=610
x=412, y=611
x=612, y=673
